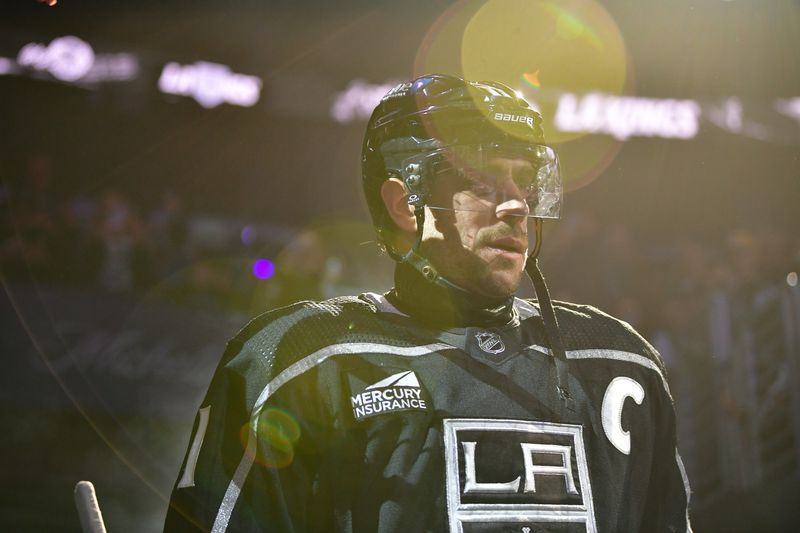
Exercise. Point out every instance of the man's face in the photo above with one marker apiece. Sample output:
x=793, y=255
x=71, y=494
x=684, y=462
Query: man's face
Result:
x=480, y=240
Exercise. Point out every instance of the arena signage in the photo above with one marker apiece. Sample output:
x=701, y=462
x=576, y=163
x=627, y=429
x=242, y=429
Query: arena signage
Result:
x=210, y=84
x=628, y=116
x=72, y=60
x=358, y=100
x=620, y=116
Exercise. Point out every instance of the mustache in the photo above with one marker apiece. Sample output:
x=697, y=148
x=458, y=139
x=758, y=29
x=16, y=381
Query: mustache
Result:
x=507, y=232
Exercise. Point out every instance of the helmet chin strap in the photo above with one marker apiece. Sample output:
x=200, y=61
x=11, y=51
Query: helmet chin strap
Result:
x=429, y=272
x=550, y=321
x=421, y=264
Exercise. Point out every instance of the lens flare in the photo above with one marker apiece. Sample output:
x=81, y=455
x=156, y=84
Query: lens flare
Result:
x=277, y=433
x=584, y=159
x=571, y=24
x=543, y=49
x=575, y=43
x=532, y=79
x=440, y=50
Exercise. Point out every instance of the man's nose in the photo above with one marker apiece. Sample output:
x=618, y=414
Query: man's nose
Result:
x=512, y=202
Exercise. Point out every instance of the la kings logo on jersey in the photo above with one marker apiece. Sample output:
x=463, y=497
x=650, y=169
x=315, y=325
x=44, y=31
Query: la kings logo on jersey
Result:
x=514, y=474
x=398, y=392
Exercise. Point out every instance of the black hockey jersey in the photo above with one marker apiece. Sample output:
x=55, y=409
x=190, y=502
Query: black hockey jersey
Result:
x=347, y=415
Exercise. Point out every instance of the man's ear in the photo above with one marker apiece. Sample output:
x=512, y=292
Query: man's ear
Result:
x=395, y=198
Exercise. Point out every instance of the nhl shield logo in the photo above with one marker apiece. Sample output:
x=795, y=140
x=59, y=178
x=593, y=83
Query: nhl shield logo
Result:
x=490, y=342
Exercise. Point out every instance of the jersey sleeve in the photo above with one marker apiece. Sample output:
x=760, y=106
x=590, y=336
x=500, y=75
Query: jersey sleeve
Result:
x=667, y=504
x=252, y=460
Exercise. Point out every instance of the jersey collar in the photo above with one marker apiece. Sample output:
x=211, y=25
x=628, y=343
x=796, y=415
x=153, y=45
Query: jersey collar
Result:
x=442, y=307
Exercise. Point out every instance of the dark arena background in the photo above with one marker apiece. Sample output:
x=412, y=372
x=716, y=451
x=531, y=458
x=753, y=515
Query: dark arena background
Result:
x=169, y=169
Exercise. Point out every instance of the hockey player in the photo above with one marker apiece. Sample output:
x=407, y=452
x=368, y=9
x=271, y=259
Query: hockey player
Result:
x=446, y=404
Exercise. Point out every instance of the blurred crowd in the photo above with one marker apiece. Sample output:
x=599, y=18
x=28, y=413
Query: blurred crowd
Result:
x=110, y=240
x=724, y=313
x=113, y=241
x=102, y=240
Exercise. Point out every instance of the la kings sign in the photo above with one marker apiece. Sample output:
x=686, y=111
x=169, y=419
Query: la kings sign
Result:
x=516, y=475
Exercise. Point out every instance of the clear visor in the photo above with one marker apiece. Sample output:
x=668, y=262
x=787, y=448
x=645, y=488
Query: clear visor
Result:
x=490, y=173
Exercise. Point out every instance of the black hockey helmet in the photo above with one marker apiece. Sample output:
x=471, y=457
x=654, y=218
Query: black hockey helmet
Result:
x=441, y=119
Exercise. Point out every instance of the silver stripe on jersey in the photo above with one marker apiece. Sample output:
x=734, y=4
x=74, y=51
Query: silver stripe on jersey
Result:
x=685, y=487
x=297, y=369
x=382, y=303
x=525, y=309
x=619, y=355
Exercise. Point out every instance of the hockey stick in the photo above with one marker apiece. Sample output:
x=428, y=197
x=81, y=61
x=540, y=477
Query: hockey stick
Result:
x=88, y=509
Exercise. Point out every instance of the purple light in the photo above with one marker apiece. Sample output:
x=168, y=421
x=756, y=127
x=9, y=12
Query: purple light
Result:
x=263, y=269
x=248, y=235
